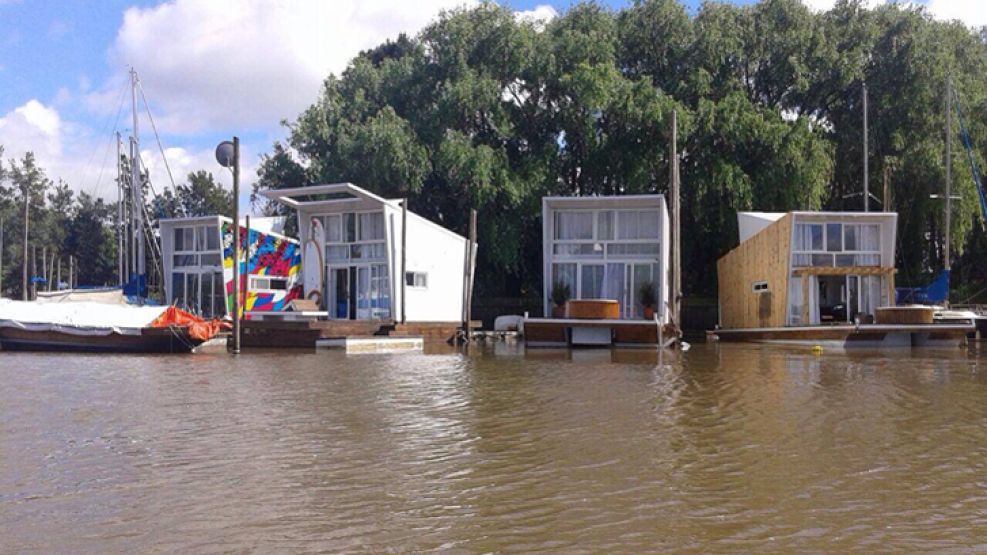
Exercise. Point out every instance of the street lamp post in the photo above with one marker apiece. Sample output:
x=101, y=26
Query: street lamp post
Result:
x=228, y=156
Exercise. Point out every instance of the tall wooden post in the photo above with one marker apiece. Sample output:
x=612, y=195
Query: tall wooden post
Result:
x=404, y=259
x=676, y=285
x=71, y=272
x=236, y=244
x=949, y=173
x=58, y=280
x=27, y=218
x=472, y=272
x=866, y=153
x=887, y=186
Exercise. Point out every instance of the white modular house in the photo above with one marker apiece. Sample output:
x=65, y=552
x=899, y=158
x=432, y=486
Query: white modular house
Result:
x=197, y=255
x=607, y=247
x=372, y=266
x=807, y=269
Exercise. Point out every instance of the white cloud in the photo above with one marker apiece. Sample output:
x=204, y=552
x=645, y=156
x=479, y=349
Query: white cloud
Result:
x=32, y=127
x=970, y=12
x=539, y=16
x=248, y=63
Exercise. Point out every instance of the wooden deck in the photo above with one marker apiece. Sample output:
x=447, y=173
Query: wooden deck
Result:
x=305, y=333
x=845, y=336
x=566, y=332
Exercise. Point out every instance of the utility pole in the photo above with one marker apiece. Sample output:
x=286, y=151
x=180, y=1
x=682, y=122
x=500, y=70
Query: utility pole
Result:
x=676, y=223
x=949, y=173
x=27, y=218
x=887, y=186
x=71, y=272
x=236, y=245
x=866, y=155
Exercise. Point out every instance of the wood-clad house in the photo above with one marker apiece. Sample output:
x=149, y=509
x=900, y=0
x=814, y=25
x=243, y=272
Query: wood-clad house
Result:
x=807, y=268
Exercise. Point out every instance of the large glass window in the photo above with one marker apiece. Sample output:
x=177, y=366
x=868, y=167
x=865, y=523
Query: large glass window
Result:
x=834, y=237
x=846, y=244
x=565, y=273
x=592, y=281
x=573, y=225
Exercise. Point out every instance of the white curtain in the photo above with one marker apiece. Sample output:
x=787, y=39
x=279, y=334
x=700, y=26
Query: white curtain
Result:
x=637, y=224
x=615, y=284
x=813, y=300
x=795, y=301
x=870, y=240
x=334, y=228
x=592, y=281
x=573, y=225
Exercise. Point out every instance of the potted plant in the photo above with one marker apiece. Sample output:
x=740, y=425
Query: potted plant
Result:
x=648, y=297
x=560, y=295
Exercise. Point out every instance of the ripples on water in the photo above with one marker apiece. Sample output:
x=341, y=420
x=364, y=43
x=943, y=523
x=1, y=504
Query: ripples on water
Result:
x=724, y=448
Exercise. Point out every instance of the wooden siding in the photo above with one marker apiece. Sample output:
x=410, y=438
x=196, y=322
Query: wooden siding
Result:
x=763, y=257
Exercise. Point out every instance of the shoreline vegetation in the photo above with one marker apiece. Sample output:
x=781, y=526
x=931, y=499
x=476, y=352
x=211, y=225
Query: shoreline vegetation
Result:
x=482, y=110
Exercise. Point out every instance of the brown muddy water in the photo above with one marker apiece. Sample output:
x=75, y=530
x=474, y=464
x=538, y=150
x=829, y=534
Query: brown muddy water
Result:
x=725, y=448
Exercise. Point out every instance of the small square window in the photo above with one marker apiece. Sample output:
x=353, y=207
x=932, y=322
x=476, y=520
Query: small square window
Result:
x=417, y=280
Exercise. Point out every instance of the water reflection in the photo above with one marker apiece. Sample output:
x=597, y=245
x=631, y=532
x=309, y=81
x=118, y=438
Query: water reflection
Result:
x=721, y=448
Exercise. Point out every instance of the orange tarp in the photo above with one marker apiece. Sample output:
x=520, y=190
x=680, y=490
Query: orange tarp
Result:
x=198, y=327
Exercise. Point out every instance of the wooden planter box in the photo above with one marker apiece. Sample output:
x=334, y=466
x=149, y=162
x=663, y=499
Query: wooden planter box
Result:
x=904, y=315
x=593, y=309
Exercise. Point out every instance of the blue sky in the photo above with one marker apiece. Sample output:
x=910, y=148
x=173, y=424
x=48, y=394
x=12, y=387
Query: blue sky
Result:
x=210, y=69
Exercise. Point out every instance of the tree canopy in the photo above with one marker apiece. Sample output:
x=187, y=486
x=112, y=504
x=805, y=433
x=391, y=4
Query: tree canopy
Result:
x=483, y=110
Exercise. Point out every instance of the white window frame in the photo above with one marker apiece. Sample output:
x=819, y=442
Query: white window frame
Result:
x=833, y=254
x=419, y=280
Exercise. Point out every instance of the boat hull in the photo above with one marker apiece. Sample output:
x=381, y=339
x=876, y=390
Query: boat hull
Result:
x=150, y=340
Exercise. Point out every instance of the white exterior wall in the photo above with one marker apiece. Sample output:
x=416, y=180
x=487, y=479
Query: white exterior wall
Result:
x=551, y=205
x=432, y=249
x=441, y=254
x=167, y=234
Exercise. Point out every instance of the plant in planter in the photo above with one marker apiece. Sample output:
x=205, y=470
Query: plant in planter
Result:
x=561, y=293
x=648, y=297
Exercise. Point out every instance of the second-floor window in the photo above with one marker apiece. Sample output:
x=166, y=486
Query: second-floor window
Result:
x=356, y=236
x=196, y=246
x=837, y=244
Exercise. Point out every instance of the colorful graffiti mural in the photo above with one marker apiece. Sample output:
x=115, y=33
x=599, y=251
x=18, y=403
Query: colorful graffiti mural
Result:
x=266, y=255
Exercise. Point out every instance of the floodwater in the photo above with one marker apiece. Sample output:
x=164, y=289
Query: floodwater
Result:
x=724, y=448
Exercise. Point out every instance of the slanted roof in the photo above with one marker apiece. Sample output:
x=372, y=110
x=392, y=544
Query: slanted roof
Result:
x=750, y=223
x=614, y=201
x=331, y=194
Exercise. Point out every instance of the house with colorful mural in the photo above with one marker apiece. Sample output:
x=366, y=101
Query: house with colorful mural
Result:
x=366, y=258
x=198, y=264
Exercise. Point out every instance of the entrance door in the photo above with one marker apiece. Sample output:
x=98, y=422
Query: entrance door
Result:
x=637, y=275
x=339, y=302
x=853, y=297
x=364, y=306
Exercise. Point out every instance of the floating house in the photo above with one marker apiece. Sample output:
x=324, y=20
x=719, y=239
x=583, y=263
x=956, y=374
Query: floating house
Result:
x=604, y=250
x=818, y=277
x=198, y=265
x=367, y=259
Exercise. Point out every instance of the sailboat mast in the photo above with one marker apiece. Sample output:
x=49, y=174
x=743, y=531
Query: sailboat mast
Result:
x=119, y=220
x=135, y=184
